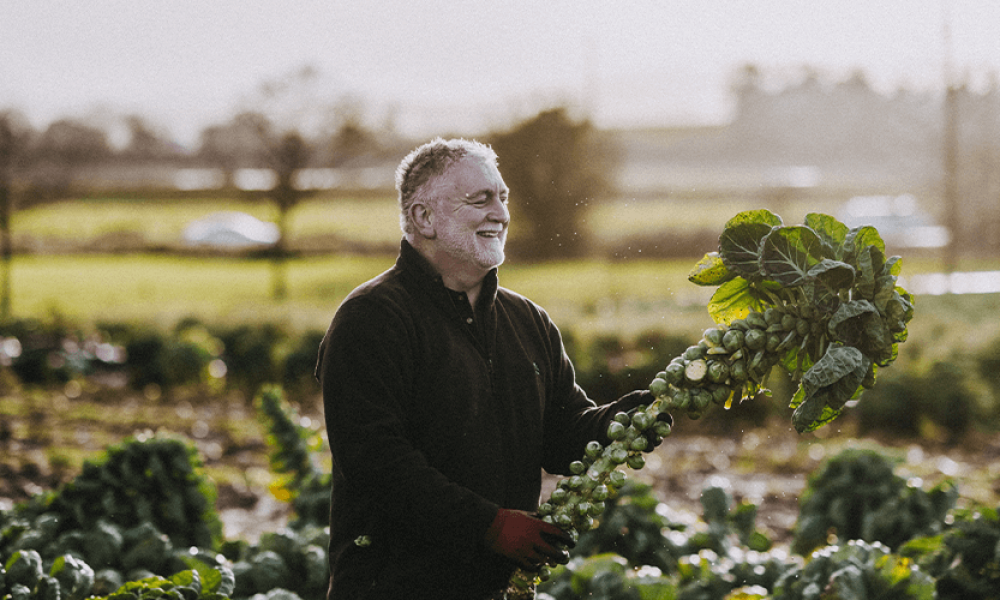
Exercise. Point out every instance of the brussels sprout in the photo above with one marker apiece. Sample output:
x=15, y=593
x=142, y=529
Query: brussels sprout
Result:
x=718, y=371
x=576, y=467
x=599, y=493
x=693, y=353
x=681, y=399
x=802, y=327
x=636, y=461
x=714, y=336
x=674, y=371
x=659, y=387
x=695, y=370
x=616, y=478
x=642, y=420
x=559, y=496
x=721, y=394
x=733, y=340
x=738, y=371
x=639, y=444
x=616, y=431
x=755, y=339
x=618, y=455
x=700, y=399
x=772, y=315
x=773, y=340
x=788, y=322
x=662, y=428
x=756, y=321
x=593, y=449
x=564, y=520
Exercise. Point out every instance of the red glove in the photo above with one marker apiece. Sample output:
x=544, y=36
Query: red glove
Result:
x=526, y=540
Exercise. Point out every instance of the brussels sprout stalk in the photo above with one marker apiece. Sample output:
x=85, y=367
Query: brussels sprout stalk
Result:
x=819, y=299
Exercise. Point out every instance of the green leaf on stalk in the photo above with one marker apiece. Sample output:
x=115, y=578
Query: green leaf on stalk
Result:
x=833, y=274
x=710, y=270
x=858, y=240
x=860, y=325
x=865, y=284
x=788, y=253
x=827, y=386
x=821, y=297
x=733, y=300
x=739, y=244
x=829, y=229
x=894, y=265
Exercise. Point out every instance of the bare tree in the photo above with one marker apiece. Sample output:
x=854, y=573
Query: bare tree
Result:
x=146, y=143
x=288, y=154
x=14, y=136
x=61, y=152
x=241, y=142
x=555, y=167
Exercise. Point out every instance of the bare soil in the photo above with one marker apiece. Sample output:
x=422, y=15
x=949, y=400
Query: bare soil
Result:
x=45, y=436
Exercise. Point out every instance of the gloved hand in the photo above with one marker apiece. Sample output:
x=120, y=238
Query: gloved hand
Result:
x=526, y=540
x=633, y=401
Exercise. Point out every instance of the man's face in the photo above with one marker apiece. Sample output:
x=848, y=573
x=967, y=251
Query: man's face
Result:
x=472, y=215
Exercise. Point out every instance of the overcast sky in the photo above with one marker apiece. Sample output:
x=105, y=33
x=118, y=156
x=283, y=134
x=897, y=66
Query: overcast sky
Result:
x=453, y=64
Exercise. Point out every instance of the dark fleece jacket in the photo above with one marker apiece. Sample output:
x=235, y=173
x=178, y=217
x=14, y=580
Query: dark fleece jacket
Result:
x=437, y=415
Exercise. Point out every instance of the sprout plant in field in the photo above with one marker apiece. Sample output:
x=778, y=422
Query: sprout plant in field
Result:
x=818, y=299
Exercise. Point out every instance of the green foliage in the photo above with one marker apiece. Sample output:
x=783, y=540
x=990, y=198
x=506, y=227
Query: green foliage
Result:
x=855, y=571
x=641, y=549
x=136, y=507
x=857, y=496
x=841, y=312
x=169, y=360
x=293, y=448
x=906, y=403
x=965, y=559
x=292, y=559
x=252, y=354
x=157, y=480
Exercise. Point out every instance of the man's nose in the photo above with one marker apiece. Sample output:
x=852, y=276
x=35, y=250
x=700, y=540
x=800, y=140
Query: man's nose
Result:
x=499, y=211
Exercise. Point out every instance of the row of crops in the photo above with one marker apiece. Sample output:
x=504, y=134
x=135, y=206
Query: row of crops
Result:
x=140, y=522
x=948, y=393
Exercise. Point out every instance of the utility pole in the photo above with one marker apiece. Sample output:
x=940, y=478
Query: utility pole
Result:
x=950, y=153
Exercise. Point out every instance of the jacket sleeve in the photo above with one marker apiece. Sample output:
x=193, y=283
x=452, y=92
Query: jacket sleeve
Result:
x=364, y=368
x=571, y=418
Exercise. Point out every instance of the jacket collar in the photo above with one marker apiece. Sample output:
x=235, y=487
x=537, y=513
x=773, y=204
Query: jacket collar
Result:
x=414, y=264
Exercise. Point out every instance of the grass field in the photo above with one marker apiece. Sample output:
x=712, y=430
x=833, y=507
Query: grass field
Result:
x=586, y=295
x=162, y=221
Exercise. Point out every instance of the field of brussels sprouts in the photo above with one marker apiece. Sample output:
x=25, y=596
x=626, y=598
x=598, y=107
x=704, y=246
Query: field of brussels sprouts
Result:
x=168, y=458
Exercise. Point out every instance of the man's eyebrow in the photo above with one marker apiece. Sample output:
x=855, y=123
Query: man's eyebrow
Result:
x=487, y=193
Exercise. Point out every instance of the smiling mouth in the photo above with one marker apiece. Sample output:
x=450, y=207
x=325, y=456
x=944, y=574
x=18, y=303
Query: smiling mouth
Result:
x=488, y=234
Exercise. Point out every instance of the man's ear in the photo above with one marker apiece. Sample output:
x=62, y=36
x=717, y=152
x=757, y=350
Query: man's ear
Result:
x=423, y=219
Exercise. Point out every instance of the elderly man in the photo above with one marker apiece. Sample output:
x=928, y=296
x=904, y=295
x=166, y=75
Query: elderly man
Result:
x=445, y=395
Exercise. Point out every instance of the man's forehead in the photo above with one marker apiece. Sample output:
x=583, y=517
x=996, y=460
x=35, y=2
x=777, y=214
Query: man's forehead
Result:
x=474, y=175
